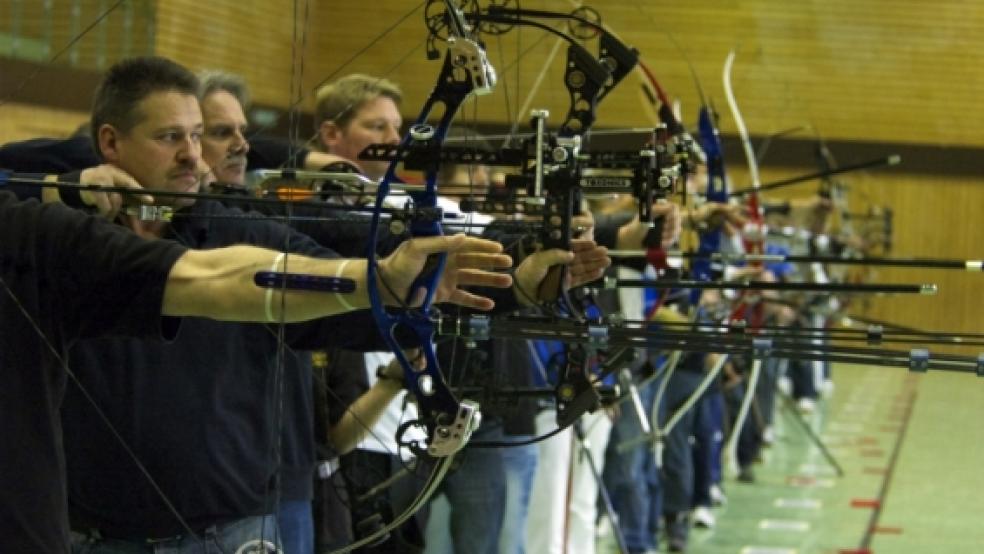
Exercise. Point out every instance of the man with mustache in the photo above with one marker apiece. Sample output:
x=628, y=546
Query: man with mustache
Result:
x=200, y=413
x=65, y=276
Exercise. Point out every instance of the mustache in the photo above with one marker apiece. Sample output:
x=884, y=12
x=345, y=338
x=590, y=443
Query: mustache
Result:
x=235, y=159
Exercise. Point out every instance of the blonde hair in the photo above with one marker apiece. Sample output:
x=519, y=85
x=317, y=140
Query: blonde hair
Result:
x=339, y=101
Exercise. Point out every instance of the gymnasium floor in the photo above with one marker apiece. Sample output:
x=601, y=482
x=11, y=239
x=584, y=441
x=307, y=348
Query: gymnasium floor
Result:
x=927, y=498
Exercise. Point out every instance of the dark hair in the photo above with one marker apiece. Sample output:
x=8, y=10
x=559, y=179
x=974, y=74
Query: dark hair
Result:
x=127, y=83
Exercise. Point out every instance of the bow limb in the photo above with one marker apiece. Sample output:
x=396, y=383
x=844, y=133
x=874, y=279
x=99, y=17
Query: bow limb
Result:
x=465, y=71
x=756, y=244
x=753, y=246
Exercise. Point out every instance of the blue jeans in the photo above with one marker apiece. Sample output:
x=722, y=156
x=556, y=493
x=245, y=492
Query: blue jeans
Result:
x=632, y=478
x=715, y=407
x=706, y=444
x=749, y=436
x=251, y=535
x=519, y=463
x=296, y=526
x=678, y=470
x=476, y=492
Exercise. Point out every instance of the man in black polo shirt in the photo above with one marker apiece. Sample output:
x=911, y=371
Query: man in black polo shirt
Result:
x=51, y=261
x=66, y=276
x=201, y=414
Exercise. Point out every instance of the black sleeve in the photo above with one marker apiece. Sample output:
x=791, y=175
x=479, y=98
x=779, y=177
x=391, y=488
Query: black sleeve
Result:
x=346, y=381
x=606, y=228
x=347, y=233
x=105, y=279
x=44, y=157
x=271, y=153
x=606, y=234
x=49, y=155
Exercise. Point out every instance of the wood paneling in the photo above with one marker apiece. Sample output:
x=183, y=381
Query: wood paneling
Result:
x=41, y=29
x=26, y=121
x=934, y=217
x=878, y=70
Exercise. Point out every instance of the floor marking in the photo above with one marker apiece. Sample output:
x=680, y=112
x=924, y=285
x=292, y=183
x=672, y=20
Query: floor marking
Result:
x=855, y=551
x=844, y=427
x=875, y=471
x=808, y=481
x=865, y=503
x=784, y=525
x=872, y=452
x=767, y=550
x=867, y=440
x=816, y=470
x=798, y=503
x=887, y=530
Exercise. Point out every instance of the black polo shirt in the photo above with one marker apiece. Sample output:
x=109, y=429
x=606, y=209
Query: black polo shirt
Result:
x=202, y=413
x=65, y=276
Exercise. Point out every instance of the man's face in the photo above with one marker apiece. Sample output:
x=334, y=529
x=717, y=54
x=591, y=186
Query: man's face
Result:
x=224, y=144
x=376, y=121
x=163, y=150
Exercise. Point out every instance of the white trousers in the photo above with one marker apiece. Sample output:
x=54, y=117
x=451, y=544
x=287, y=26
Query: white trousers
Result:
x=563, y=507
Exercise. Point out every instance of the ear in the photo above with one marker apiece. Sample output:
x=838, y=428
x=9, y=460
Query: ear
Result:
x=329, y=134
x=109, y=143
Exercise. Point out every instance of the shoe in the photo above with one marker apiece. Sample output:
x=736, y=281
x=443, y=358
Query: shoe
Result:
x=676, y=545
x=746, y=475
x=806, y=405
x=604, y=527
x=677, y=529
x=718, y=498
x=703, y=517
x=768, y=436
x=785, y=385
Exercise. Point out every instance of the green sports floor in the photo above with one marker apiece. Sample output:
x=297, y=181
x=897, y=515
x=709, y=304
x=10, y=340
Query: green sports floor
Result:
x=912, y=450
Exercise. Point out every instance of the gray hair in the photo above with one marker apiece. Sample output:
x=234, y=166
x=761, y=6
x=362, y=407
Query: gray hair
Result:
x=213, y=80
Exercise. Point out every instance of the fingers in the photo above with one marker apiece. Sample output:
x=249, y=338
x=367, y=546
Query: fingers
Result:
x=480, y=278
x=470, y=300
x=453, y=243
x=110, y=203
x=581, y=245
x=664, y=208
x=587, y=262
x=554, y=256
x=591, y=270
x=590, y=253
x=733, y=215
x=475, y=260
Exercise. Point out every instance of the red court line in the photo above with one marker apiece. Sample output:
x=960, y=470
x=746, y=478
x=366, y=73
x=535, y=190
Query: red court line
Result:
x=865, y=546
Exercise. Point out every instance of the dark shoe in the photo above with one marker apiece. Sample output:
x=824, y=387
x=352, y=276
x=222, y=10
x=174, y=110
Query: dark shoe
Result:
x=676, y=544
x=746, y=475
x=677, y=529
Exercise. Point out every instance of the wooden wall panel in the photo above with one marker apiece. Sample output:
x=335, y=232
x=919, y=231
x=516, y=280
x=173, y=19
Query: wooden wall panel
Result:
x=877, y=70
x=25, y=121
x=41, y=29
x=934, y=217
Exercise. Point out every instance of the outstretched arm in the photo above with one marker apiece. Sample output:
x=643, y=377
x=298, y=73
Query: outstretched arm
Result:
x=218, y=283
